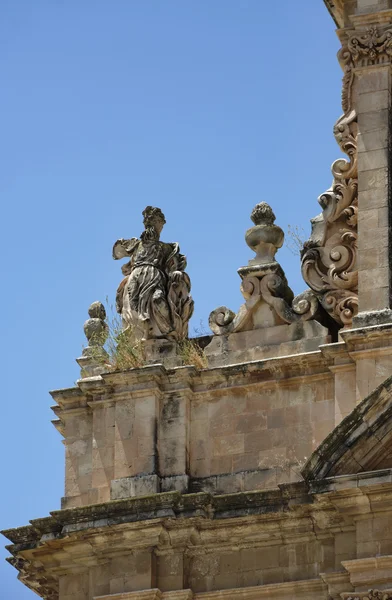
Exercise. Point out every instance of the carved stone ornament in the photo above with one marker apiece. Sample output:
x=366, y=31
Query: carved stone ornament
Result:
x=95, y=328
x=269, y=300
x=329, y=257
x=370, y=595
x=154, y=298
x=94, y=357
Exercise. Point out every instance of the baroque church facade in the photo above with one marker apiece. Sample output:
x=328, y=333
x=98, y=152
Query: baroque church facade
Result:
x=255, y=462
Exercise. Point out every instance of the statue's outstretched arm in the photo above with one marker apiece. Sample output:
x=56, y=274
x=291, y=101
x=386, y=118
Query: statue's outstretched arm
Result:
x=123, y=248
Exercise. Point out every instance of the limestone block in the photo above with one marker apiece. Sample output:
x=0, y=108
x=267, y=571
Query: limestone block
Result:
x=229, y=484
x=374, y=300
x=345, y=396
x=170, y=571
x=373, y=101
x=124, y=419
x=230, y=444
x=378, y=257
x=370, y=81
x=74, y=585
x=373, y=179
x=279, y=340
x=372, y=159
x=367, y=6
x=125, y=455
x=373, y=120
x=260, y=480
x=103, y=458
x=245, y=462
x=179, y=483
x=372, y=140
x=375, y=238
x=373, y=278
x=173, y=456
x=127, y=487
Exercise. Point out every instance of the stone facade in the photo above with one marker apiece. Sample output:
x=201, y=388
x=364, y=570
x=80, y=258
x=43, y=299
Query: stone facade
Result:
x=266, y=471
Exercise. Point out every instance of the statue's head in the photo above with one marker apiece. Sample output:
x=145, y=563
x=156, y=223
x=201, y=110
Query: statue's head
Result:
x=153, y=218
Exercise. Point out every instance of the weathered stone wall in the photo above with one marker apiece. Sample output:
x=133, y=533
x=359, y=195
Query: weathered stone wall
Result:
x=223, y=430
x=228, y=429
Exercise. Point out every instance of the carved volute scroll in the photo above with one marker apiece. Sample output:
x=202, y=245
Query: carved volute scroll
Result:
x=269, y=300
x=154, y=298
x=329, y=257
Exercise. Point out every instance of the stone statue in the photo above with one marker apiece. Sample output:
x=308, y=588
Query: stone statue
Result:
x=154, y=298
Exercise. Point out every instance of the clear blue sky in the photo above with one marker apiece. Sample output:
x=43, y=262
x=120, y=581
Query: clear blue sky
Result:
x=203, y=108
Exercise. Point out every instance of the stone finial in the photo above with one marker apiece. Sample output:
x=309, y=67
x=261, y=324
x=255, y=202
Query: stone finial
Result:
x=95, y=328
x=94, y=356
x=264, y=238
x=269, y=300
x=262, y=214
x=154, y=298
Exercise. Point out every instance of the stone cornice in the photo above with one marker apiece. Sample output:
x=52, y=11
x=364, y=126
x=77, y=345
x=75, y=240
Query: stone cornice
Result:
x=371, y=572
x=156, y=380
x=292, y=589
x=336, y=10
x=69, y=539
x=369, y=338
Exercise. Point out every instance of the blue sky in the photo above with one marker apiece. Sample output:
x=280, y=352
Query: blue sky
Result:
x=202, y=108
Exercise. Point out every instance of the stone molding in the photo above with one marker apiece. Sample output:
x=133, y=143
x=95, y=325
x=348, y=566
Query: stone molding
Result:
x=371, y=573
x=213, y=523
x=153, y=594
x=370, y=595
x=157, y=380
x=299, y=589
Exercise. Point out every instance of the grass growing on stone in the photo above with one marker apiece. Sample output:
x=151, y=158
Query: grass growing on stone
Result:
x=125, y=352
x=192, y=354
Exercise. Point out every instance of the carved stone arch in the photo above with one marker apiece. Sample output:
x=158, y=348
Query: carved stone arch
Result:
x=361, y=442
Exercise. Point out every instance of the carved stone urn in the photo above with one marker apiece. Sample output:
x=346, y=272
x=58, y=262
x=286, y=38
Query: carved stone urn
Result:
x=264, y=238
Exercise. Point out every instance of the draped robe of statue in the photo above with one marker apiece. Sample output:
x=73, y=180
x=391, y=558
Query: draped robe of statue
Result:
x=153, y=299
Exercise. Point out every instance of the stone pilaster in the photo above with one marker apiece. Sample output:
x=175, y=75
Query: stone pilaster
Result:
x=369, y=44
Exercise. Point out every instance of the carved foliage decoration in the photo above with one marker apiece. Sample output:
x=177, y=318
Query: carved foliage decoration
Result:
x=329, y=257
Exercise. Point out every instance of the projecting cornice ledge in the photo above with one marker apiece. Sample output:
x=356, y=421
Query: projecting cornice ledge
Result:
x=335, y=8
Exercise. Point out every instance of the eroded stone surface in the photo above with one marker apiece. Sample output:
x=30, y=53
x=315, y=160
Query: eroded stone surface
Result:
x=269, y=299
x=154, y=298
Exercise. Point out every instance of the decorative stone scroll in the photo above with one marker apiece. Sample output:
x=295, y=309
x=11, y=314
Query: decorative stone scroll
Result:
x=154, y=297
x=269, y=300
x=329, y=257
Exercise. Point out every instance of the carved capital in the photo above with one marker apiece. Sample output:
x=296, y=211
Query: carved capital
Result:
x=367, y=48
